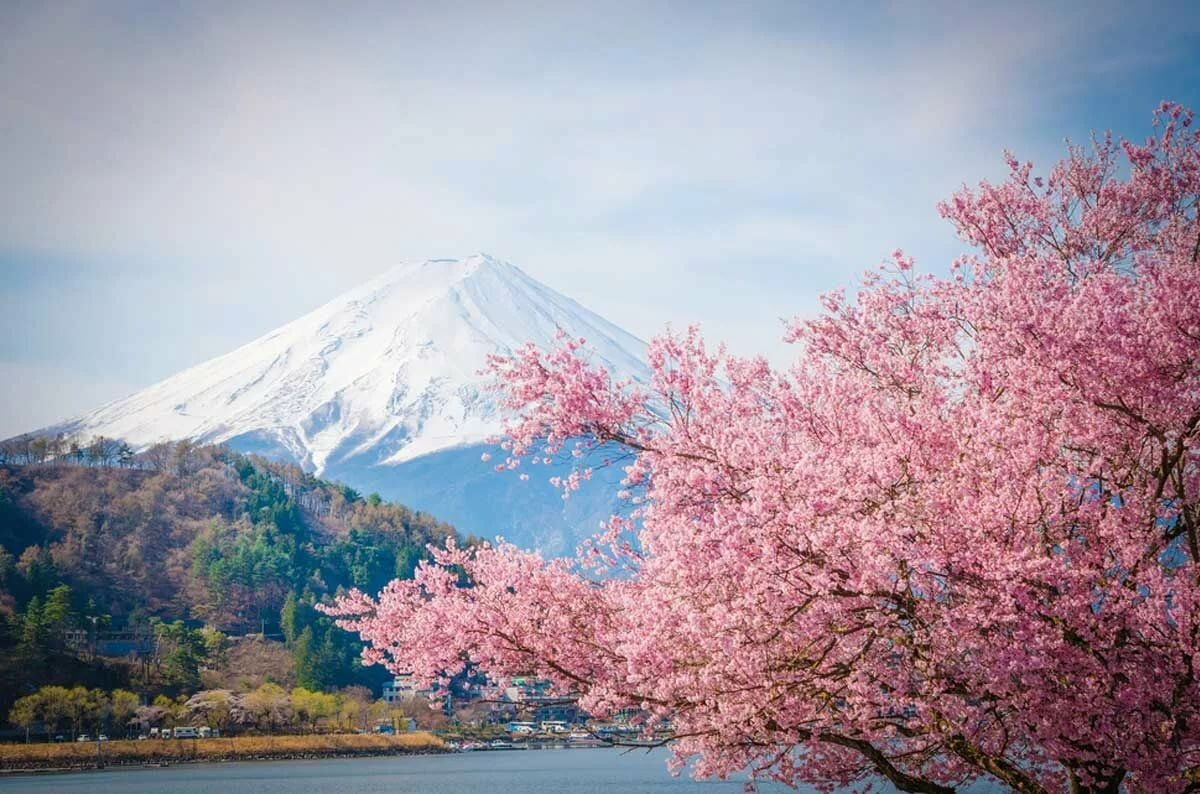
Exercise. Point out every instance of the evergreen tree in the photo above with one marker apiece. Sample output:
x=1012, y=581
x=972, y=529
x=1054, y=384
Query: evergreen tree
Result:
x=308, y=665
x=180, y=652
x=288, y=618
x=34, y=635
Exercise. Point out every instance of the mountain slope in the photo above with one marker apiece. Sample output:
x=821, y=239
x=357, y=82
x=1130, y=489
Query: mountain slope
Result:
x=381, y=388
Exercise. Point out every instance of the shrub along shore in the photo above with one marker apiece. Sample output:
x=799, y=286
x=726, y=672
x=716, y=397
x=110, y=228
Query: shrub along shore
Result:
x=92, y=755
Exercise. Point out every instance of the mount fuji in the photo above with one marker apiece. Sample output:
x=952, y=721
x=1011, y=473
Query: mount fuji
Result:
x=380, y=389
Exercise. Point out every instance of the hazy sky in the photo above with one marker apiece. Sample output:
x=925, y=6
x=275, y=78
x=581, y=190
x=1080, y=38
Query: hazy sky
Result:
x=179, y=178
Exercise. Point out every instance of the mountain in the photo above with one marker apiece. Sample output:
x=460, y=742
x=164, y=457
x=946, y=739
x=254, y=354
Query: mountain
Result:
x=380, y=388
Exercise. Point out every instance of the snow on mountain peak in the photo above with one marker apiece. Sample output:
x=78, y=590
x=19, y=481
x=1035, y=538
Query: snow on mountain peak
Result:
x=383, y=374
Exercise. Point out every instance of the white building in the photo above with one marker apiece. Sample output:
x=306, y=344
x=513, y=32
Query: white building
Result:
x=400, y=688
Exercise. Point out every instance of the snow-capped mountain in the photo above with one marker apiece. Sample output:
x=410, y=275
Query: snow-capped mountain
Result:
x=381, y=388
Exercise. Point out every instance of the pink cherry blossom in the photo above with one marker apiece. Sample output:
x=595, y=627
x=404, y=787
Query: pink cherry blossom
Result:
x=956, y=540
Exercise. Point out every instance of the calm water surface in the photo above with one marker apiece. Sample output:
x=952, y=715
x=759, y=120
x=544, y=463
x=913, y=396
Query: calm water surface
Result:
x=519, y=772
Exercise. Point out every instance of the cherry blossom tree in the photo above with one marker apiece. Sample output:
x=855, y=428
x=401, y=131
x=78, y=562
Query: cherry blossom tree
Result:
x=956, y=540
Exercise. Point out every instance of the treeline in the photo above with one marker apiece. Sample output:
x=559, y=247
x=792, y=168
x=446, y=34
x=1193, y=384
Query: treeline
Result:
x=53, y=708
x=77, y=450
x=57, y=711
x=179, y=537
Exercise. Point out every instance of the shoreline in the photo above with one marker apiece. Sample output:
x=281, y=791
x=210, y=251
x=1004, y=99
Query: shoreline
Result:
x=34, y=759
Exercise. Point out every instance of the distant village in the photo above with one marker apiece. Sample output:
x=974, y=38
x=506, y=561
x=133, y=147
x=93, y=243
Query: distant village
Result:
x=526, y=710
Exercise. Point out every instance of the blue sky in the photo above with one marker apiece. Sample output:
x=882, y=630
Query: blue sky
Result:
x=182, y=177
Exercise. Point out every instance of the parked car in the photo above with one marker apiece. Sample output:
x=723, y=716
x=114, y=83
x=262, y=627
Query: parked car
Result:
x=102, y=738
x=83, y=737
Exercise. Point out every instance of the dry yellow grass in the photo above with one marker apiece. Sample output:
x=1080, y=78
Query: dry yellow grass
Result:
x=84, y=754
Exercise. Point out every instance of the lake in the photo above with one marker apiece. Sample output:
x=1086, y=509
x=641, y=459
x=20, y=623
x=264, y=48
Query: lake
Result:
x=493, y=772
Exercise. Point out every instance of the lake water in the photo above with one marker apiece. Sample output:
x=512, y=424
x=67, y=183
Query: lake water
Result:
x=495, y=772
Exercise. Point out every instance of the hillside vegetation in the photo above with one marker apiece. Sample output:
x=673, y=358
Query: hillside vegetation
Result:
x=193, y=546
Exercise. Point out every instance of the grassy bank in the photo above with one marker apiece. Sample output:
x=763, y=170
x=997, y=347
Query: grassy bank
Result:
x=15, y=757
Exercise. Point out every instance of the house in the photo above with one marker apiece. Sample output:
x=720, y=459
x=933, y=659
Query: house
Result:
x=529, y=728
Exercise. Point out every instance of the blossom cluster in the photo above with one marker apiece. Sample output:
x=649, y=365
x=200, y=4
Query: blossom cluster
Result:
x=956, y=539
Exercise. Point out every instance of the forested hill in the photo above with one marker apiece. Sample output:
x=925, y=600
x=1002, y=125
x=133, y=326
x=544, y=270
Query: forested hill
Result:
x=197, y=533
x=189, y=533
